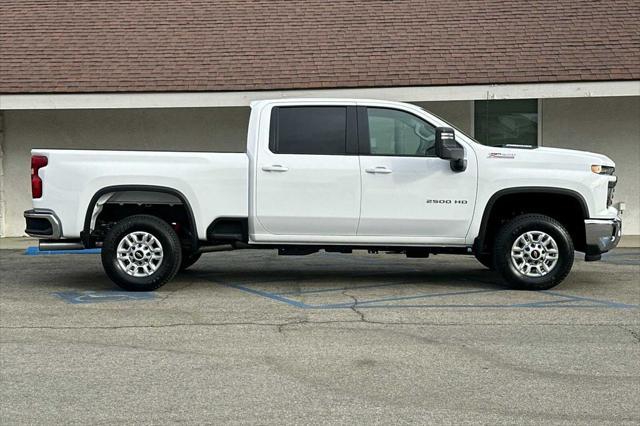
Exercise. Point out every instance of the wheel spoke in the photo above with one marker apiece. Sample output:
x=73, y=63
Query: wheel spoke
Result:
x=139, y=254
x=534, y=253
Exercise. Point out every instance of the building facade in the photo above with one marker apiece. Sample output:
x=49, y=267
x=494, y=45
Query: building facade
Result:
x=182, y=77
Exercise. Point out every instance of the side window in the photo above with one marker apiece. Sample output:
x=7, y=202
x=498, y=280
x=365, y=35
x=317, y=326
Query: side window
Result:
x=315, y=130
x=398, y=133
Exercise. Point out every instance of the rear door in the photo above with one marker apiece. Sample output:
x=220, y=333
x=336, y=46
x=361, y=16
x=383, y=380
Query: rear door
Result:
x=308, y=177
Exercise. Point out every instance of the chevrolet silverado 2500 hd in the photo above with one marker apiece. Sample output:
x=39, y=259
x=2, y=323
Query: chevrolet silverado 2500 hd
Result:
x=334, y=175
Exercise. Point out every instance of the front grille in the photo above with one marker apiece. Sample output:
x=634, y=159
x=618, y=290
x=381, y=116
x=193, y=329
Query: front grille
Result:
x=610, y=192
x=608, y=170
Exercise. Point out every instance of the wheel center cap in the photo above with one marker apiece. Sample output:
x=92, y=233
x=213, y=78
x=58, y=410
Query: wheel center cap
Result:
x=535, y=254
x=138, y=254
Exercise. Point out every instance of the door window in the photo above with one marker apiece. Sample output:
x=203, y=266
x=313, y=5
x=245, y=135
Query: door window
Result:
x=314, y=130
x=398, y=133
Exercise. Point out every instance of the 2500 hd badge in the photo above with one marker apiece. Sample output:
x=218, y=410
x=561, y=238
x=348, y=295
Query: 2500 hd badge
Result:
x=430, y=201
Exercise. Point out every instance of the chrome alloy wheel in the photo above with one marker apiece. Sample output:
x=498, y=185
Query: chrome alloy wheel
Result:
x=534, y=254
x=139, y=254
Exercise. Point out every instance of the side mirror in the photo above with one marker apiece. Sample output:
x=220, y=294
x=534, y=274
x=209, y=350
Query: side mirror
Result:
x=448, y=149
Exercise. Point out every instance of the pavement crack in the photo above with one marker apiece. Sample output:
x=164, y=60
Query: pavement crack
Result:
x=279, y=326
x=282, y=326
x=634, y=334
x=354, y=306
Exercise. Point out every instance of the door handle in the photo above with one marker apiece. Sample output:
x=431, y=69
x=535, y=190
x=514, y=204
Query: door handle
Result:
x=383, y=170
x=275, y=168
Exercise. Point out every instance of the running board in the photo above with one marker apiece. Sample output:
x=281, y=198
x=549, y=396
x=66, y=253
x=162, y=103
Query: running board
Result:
x=53, y=245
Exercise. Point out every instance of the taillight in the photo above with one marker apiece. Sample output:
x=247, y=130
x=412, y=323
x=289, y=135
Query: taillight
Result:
x=37, y=162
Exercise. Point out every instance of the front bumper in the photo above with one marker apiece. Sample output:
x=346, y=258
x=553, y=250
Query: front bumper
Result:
x=602, y=235
x=43, y=223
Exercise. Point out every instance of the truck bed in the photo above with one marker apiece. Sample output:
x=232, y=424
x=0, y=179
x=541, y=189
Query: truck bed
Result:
x=214, y=184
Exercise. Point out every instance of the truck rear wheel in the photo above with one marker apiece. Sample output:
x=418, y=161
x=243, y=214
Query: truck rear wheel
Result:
x=141, y=253
x=533, y=252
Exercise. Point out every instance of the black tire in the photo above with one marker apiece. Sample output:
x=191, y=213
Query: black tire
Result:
x=166, y=268
x=189, y=259
x=506, y=238
x=485, y=259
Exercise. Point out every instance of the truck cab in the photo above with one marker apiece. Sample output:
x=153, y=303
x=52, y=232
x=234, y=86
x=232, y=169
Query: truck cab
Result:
x=335, y=175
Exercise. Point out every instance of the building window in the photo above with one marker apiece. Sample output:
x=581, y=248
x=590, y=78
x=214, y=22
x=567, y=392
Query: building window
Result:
x=506, y=122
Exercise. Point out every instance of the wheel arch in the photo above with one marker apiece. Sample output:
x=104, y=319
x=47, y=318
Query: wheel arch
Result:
x=504, y=194
x=86, y=230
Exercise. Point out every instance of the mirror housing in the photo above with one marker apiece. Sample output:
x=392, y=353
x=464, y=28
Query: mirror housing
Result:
x=448, y=149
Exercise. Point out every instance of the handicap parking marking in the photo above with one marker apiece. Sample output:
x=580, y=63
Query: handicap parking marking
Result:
x=35, y=251
x=86, y=297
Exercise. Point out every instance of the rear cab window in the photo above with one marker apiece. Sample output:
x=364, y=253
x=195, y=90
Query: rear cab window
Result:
x=313, y=130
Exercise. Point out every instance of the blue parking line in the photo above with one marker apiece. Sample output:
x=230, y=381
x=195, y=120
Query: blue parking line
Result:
x=364, y=303
x=422, y=296
x=326, y=290
x=540, y=304
x=268, y=295
x=489, y=306
x=587, y=299
x=35, y=251
x=567, y=301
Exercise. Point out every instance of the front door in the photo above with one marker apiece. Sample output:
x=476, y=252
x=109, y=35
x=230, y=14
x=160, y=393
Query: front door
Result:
x=308, y=178
x=406, y=190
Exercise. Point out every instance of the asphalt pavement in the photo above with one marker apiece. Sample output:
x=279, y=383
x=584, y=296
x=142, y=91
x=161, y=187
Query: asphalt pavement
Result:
x=249, y=337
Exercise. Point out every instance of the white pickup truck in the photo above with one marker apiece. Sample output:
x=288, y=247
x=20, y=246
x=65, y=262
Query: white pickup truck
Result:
x=335, y=175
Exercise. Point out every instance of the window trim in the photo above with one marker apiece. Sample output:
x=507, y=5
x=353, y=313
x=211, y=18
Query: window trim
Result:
x=351, y=129
x=363, y=132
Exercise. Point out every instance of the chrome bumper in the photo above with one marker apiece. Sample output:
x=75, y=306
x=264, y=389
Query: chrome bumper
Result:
x=43, y=223
x=602, y=235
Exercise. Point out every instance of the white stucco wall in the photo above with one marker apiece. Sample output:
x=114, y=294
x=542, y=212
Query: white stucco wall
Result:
x=609, y=126
x=578, y=123
x=2, y=196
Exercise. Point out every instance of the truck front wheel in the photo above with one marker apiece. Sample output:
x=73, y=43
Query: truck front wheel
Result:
x=141, y=253
x=533, y=252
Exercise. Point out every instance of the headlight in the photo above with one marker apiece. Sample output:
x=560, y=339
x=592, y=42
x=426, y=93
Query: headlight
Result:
x=602, y=170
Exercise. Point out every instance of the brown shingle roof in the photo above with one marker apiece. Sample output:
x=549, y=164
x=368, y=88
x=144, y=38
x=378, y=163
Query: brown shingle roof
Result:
x=192, y=45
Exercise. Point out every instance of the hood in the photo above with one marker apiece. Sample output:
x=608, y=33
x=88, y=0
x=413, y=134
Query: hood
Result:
x=550, y=156
x=592, y=157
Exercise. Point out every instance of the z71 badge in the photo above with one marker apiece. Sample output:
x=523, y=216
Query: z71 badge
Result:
x=501, y=155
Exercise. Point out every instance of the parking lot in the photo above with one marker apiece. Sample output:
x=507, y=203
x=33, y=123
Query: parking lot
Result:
x=251, y=337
